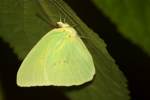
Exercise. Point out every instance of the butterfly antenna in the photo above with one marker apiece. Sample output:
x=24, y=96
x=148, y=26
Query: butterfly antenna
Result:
x=60, y=17
x=64, y=19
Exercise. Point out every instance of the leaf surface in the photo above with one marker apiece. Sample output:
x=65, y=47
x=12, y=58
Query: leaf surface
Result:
x=21, y=28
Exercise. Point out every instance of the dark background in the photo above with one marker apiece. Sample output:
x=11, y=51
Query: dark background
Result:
x=132, y=60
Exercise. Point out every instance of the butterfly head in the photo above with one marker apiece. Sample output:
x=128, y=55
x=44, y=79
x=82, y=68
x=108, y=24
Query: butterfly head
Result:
x=71, y=32
x=62, y=25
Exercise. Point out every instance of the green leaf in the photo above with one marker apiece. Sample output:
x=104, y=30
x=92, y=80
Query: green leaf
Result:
x=132, y=18
x=21, y=28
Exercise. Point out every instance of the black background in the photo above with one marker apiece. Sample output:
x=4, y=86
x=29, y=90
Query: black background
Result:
x=132, y=60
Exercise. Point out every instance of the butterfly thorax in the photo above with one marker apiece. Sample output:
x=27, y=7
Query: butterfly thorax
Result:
x=64, y=27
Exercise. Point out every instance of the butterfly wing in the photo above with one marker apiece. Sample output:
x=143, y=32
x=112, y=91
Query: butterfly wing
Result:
x=56, y=60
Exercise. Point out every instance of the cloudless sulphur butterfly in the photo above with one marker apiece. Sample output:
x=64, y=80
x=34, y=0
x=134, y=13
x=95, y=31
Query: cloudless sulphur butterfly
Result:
x=60, y=58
